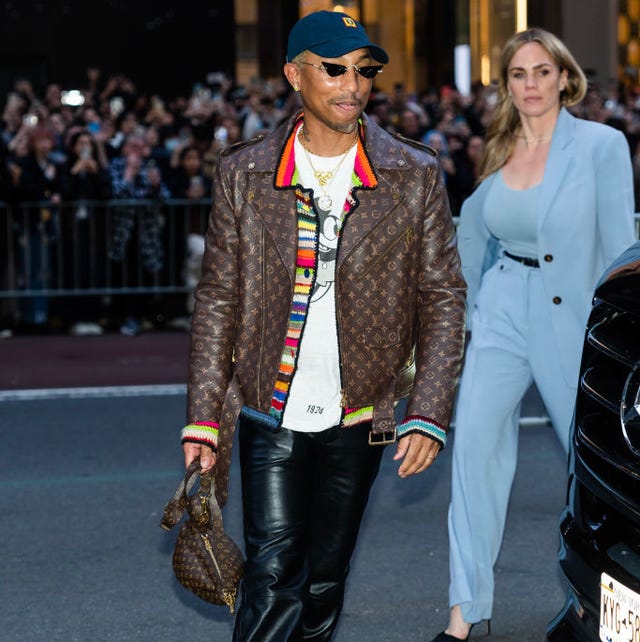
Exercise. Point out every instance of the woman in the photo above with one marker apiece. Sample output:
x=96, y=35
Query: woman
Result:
x=83, y=176
x=84, y=180
x=39, y=185
x=188, y=181
x=554, y=207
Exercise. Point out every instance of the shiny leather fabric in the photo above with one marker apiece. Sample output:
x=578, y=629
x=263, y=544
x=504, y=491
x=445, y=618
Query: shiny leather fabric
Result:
x=399, y=290
x=304, y=495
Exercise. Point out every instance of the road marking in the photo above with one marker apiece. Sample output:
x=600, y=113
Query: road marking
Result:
x=151, y=391
x=70, y=480
x=96, y=392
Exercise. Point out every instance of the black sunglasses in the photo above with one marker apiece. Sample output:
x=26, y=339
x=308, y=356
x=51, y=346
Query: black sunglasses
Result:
x=333, y=70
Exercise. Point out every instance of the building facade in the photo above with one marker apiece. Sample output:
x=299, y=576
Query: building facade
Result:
x=166, y=45
x=450, y=42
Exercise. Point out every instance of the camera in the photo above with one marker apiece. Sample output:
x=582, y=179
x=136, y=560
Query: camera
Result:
x=221, y=134
x=116, y=106
x=72, y=98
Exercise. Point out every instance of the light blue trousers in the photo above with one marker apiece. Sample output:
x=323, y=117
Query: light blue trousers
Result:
x=511, y=346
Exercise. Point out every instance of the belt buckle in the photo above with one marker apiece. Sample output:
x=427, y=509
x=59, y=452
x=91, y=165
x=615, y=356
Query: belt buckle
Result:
x=381, y=439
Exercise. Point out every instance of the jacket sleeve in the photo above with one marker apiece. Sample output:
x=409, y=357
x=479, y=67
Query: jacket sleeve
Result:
x=440, y=319
x=478, y=249
x=614, y=196
x=214, y=319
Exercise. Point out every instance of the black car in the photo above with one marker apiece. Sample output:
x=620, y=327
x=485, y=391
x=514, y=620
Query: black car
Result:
x=600, y=526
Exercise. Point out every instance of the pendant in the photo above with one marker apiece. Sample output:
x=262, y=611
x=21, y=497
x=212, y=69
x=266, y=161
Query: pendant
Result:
x=325, y=202
x=324, y=178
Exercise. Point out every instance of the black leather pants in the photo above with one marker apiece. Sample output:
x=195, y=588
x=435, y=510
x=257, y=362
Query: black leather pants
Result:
x=303, y=496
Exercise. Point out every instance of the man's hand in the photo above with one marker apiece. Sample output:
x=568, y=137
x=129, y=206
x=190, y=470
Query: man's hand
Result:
x=418, y=452
x=207, y=456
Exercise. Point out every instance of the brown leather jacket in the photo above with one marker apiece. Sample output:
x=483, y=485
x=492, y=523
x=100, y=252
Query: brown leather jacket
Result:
x=399, y=290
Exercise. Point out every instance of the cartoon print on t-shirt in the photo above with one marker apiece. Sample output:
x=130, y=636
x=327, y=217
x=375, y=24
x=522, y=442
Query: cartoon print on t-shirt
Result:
x=327, y=246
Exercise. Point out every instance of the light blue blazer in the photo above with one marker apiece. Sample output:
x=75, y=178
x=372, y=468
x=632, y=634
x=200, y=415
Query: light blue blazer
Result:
x=585, y=222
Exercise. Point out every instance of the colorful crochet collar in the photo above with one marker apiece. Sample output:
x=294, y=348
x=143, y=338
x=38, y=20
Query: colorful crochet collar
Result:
x=364, y=176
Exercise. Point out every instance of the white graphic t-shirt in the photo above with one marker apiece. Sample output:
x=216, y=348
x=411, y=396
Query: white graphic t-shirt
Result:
x=314, y=397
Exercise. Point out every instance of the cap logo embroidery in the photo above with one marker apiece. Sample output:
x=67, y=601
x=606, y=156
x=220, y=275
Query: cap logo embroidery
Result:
x=349, y=22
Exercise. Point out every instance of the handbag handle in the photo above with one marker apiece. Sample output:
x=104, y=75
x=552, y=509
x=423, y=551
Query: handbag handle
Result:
x=209, y=509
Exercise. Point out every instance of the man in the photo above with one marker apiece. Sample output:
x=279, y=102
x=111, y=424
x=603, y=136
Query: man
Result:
x=330, y=264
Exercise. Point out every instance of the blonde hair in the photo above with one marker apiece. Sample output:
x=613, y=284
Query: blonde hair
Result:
x=506, y=122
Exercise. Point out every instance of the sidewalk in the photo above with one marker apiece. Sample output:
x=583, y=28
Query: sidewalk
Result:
x=60, y=361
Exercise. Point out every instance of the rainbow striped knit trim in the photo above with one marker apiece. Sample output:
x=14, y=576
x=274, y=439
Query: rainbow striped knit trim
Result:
x=286, y=175
x=355, y=416
x=306, y=264
x=201, y=432
x=305, y=274
x=423, y=426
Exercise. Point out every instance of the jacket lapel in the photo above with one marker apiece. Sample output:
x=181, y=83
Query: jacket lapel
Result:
x=560, y=155
x=277, y=211
x=376, y=196
x=373, y=197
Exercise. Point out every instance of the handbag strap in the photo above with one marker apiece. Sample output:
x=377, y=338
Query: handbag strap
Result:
x=209, y=511
x=178, y=503
x=208, y=489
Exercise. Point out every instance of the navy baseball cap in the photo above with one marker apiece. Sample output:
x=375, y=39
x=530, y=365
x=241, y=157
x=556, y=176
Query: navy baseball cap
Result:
x=331, y=34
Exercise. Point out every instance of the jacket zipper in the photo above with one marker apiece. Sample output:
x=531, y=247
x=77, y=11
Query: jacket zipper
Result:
x=405, y=236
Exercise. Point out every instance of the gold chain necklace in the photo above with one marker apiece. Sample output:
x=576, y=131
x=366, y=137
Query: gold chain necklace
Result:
x=542, y=139
x=324, y=177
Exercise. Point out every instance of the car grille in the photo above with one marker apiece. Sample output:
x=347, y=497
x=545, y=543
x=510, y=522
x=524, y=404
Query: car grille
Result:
x=611, y=351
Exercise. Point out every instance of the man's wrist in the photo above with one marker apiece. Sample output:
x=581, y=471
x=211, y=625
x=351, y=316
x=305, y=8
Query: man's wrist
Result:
x=201, y=432
x=423, y=426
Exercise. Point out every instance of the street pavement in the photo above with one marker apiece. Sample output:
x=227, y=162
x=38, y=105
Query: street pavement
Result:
x=84, y=479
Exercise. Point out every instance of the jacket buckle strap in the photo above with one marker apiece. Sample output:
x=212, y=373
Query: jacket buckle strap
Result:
x=382, y=438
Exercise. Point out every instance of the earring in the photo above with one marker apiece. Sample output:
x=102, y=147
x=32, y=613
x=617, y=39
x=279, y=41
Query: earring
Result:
x=296, y=88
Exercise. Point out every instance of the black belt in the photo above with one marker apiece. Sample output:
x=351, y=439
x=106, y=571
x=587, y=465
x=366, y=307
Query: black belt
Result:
x=525, y=260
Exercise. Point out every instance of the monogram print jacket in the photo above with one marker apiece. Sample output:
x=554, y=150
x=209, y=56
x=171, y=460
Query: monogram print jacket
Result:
x=400, y=296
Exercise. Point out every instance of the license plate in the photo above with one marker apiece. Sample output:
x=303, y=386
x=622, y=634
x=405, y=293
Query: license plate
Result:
x=619, y=611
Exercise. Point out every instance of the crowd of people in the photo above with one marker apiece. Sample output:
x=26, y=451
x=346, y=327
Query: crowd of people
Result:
x=110, y=140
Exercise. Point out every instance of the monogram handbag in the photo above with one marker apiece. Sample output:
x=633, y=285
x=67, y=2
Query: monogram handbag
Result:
x=206, y=561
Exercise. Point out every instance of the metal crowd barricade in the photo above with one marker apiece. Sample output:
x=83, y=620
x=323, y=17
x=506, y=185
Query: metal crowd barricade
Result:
x=104, y=248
